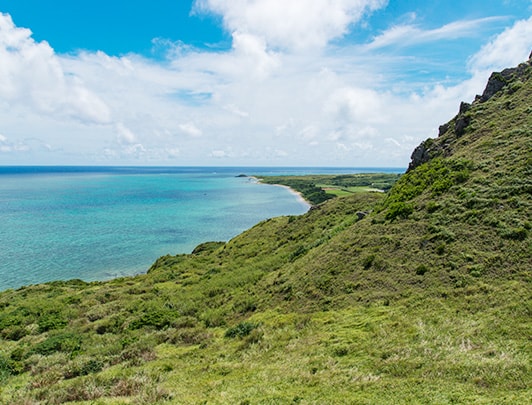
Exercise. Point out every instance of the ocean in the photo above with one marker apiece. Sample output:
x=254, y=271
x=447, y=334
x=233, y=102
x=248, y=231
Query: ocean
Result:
x=98, y=223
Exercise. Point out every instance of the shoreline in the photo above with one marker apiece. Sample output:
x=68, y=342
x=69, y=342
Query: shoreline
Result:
x=299, y=195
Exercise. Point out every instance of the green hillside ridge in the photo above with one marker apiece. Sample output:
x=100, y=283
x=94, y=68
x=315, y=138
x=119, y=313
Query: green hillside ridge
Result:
x=426, y=299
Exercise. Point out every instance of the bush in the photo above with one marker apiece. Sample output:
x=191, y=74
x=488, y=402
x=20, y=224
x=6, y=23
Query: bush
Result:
x=368, y=261
x=213, y=318
x=515, y=233
x=432, y=207
x=399, y=210
x=421, y=269
x=241, y=330
x=64, y=342
x=300, y=251
x=14, y=333
x=5, y=368
x=151, y=318
x=51, y=321
x=81, y=367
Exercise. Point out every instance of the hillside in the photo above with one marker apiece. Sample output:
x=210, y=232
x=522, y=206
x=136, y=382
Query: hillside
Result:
x=426, y=299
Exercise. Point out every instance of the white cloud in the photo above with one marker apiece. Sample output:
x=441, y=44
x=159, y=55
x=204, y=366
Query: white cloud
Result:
x=252, y=51
x=508, y=49
x=190, y=129
x=293, y=24
x=236, y=110
x=219, y=154
x=405, y=35
x=173, y=153
x=31, y=73
x=6, y=146
x=261, y=102
x=125, y=135
x=137, y=150
x=355, y=105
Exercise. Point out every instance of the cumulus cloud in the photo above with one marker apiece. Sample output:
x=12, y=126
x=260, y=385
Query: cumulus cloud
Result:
x=266, y=100
x=355, y=105
x=31, y=73
x=252, y=50
x=294, y=24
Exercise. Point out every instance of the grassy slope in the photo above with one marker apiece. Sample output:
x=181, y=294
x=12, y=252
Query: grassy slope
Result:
x=425, y=300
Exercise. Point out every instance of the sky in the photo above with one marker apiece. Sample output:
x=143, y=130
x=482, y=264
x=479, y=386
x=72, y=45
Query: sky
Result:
x=338, y=83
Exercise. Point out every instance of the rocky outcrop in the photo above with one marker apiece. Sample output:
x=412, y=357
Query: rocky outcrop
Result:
x=457, y=127
x=419, y=156
x=499, y=80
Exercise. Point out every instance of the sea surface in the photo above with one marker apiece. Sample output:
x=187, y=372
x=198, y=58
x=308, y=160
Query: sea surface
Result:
x=98, y=223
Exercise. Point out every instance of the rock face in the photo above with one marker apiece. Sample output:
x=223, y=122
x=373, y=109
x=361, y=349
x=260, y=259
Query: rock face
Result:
x=419, y=156
x=496, y=82
x=457, y=127
x=499, y=80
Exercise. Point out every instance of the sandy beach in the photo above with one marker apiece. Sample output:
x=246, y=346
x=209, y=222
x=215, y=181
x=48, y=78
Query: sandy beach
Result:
x=299, y=196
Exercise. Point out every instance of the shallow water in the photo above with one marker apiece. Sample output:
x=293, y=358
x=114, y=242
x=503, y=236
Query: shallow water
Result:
x=60, y=223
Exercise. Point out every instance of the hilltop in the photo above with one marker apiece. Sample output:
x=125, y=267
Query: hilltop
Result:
x=423, y=299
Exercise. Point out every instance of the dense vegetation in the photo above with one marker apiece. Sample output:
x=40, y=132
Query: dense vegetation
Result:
x=320, y=188
x=424, y=300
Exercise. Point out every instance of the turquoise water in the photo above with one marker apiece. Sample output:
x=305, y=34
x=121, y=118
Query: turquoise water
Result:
x=60, y=223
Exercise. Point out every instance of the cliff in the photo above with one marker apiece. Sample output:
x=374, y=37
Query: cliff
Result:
x=499, y=84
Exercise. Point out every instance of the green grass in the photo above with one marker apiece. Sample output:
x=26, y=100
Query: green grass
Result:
x=319, y=188
x=426, y=299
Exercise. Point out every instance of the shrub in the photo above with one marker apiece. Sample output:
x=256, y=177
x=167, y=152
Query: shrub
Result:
x=81, y=367
x=5, y=368
x=213, y=318
x=441, y=185
x=14, y=333
x=421, y=269
x=64, y=342
x=151, y=318
x=241, y=330
x=399, y=210
x=51, y=321
x=300, y=251
x=138, y=352
x=188, y=336
x=368, y=261
x=340, y=351
x=245, y=306
x=515, y=233
x=476, y=270
x=432, y=206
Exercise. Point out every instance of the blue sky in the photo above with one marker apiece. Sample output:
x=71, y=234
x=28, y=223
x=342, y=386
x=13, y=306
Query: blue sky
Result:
x=242, y=82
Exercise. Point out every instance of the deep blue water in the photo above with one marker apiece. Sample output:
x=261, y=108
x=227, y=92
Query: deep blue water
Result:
x=96, y=223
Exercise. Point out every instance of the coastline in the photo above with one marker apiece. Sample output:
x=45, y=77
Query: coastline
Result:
x=123, y=237
x=299, y=195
